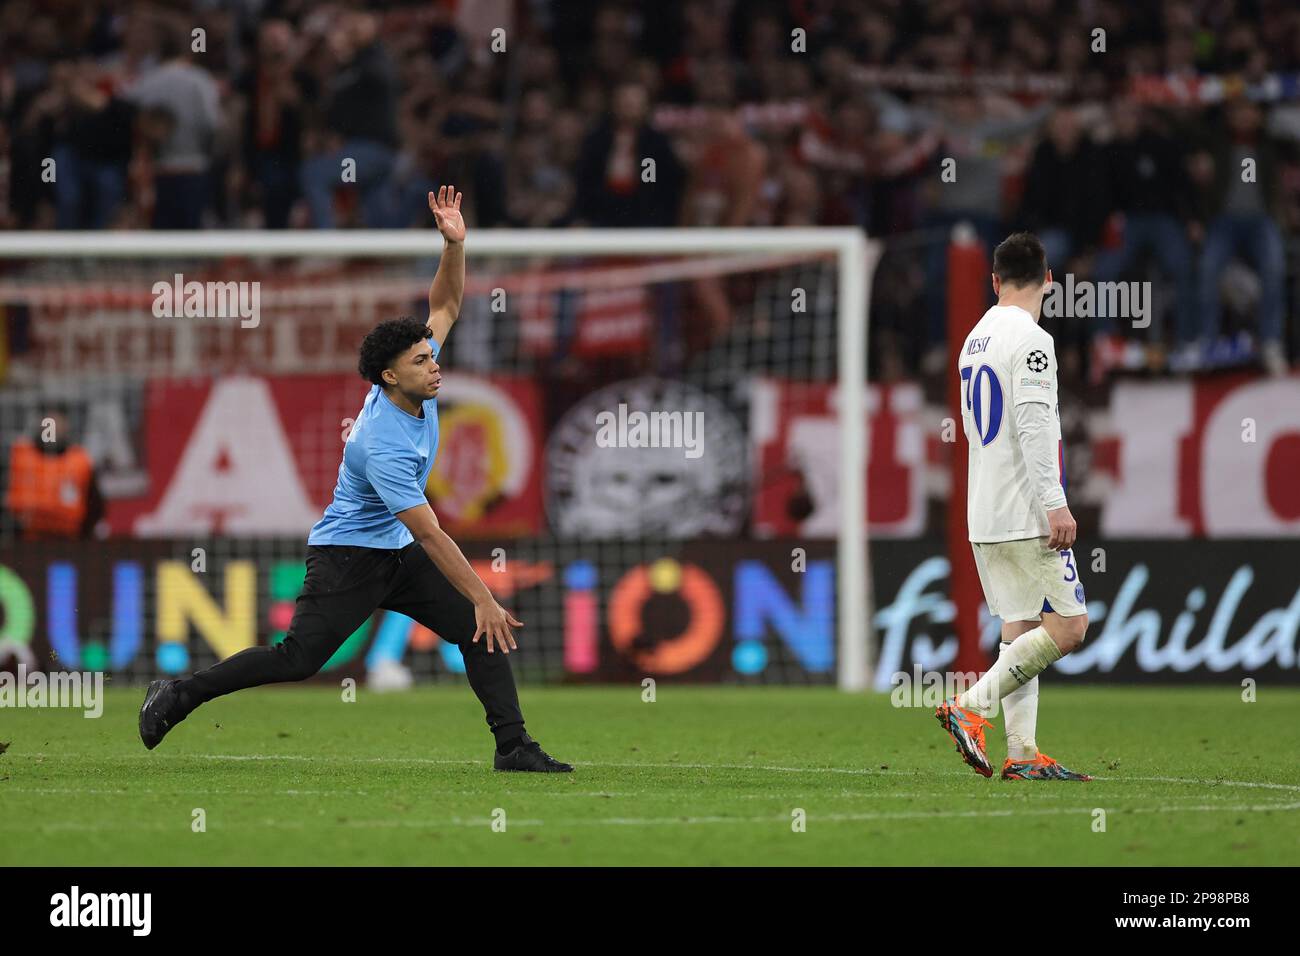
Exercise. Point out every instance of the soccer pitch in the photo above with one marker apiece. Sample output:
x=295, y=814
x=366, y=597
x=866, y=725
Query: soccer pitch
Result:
x=296, y=776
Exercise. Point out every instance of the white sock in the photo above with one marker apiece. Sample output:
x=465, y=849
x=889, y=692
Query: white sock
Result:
x=1030, y=653
x=1020, y=714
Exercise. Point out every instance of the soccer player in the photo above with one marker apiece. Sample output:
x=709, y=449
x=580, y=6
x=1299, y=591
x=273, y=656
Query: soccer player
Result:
x=1021, y=529
x=379, y=544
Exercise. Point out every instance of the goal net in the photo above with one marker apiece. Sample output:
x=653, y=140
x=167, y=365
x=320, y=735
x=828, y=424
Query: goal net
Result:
x=652, y=445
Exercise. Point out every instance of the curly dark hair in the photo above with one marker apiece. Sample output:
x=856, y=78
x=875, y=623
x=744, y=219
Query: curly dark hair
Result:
x=385, y=342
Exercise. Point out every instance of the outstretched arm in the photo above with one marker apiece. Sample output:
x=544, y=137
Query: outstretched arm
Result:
x=449, y=284
x=492, y=620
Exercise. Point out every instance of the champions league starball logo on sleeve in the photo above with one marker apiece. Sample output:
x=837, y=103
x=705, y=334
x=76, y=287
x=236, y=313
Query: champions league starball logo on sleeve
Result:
x=647, y=457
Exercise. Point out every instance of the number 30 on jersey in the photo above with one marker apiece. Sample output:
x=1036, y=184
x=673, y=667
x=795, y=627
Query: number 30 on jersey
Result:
x=983, y=397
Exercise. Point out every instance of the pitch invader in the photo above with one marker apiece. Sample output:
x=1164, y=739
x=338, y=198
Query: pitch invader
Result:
x=1021, y=529
x=379, y=544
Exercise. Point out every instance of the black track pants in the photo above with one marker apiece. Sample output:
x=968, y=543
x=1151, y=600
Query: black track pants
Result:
x=343, y=587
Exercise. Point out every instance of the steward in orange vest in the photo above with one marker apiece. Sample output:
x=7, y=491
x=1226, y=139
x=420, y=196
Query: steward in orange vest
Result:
x=52, y=490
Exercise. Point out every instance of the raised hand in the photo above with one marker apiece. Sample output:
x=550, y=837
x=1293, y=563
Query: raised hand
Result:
x=445, y=207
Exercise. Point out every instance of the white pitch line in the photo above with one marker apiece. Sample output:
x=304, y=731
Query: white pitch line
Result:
x=674, y=821
x=1039, y=794
x=181, y=793
x=1226, y=783
x=440, y=761
x=938, y=815
x=319, y=793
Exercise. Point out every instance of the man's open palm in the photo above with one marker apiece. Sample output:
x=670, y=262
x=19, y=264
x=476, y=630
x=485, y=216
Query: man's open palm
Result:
x=445, y=207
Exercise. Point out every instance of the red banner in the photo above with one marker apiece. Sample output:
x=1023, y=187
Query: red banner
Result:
x=795, y=432
x=259, y=455
x=1215, y=458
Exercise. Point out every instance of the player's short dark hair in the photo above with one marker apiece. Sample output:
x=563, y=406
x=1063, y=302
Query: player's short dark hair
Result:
x=1020, y=260
x=385, y=342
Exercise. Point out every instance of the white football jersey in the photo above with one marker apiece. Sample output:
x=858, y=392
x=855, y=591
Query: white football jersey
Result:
x=1006, y=360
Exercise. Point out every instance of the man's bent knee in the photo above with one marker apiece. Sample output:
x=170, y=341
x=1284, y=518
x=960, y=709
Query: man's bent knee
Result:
x=295, y=663
x=1067, y=632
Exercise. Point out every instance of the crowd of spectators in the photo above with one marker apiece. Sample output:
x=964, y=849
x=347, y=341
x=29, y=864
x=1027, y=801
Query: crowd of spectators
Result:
x=798, y=112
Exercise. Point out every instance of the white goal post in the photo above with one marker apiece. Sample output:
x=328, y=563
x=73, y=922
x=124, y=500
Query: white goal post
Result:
x=856, y=258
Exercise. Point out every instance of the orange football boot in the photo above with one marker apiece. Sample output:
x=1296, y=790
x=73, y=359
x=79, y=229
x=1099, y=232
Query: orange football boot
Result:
x=966, y=728
x=1041, y=767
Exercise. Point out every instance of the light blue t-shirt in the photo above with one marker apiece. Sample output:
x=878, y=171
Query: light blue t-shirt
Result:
x=386, y=462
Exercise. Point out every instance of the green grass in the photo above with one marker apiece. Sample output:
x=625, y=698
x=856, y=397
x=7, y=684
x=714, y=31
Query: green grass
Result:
x=292, y=775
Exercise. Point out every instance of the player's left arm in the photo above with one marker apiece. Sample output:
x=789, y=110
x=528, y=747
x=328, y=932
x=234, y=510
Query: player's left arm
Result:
x=448, y=286
x=1034, y=399
x=491, y=620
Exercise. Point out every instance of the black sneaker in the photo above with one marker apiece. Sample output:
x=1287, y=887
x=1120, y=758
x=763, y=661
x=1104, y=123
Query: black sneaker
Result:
x=529, y=755
x=158, y=712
